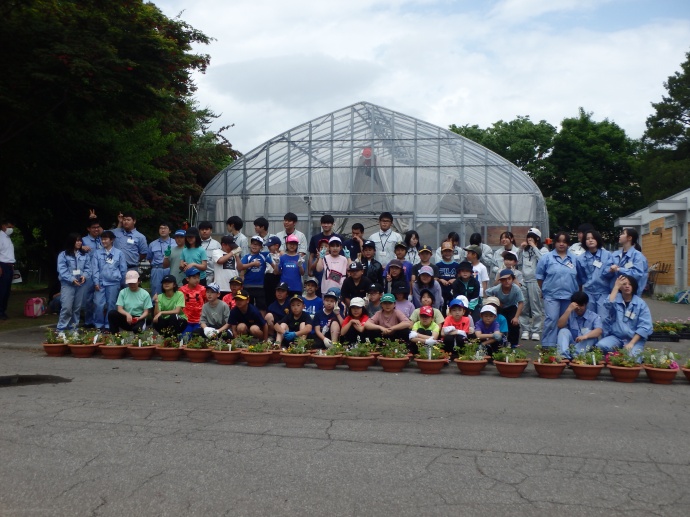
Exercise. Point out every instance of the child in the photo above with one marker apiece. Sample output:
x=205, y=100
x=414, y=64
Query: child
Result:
x=169, y=318
x=400, y=254
x=296, y=324
x=109, y=270
x=353, y=324
x=279, y=308
x=467, y=285
x=133, y=306
x=225, y=263
x=486, y=330
x=412, y=241
x=426, y=298
x=327, y=322
x=333, y=265
x=272, y=276
x=214, y=315
x=193, y=255
x=425, y=331
x=395, y=277
x=235, y=285
x=401, y=292
x=375, y=291
x=373, y=269
x=427, y=281
x=354, y=285
x=456, y=327
x=173, y=259
x=502, y=321
x=245, y=319
x=512, y=302
x=474, y=254
x=447, y=272
x=389, y=322
x=254, y=266
x=74, y=268
x=425, y=254
x=312, y=303
x=510, y=262
x=194, y=295
x=291, y=266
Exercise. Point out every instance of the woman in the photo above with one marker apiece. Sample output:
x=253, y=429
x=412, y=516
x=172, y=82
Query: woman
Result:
x=530, y=252
x=74, y=268
x=507, y=244
x=557, y=278
x=169, y=319
x=629, y=322
x=594, y=271
x=630, y=260
x=458, y=253
x=193, y=255
x=412, y=242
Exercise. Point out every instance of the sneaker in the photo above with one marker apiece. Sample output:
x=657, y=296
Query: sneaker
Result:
x=524, y=336
x=536, y=337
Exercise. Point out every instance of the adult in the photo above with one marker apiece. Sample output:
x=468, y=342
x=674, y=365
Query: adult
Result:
x=158, y=250
x=290, y=225
x=73, y=267
x=261, y=229
x=90, y=244
x=210, y=245
x=594, y=272
x=234, y=224
x=133, y=306
x=487, y=255
x=578, y=247
x=327, y=222
x=355, y=244
x=578, y=326
x=129, y=241
x=109, y=269
x=193, y=255
x=385, y=239
x=412, y=243
x=458, y=253
x=530, y=252
x=507, y=244
x=557, y=277
x=629, y=260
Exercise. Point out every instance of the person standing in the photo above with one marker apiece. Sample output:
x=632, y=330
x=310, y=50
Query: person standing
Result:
x=385, y=239
x=90, y=244
x=210, y=245
x=290, y=223
x=158, y=250
x=7, y=261
x=261, y=229
x=173, y=260
x=507, y=244
x=193, y=255
x=130, y=242
x=109, y=268
x=73, y=267
x=234, y=225
x=630, y=260
x=326, y=232
x=529, y=254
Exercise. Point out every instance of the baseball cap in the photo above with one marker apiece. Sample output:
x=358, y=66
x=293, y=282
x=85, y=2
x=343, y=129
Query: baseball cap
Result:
x=505, y=273
x=357, y=302
x=213, y=287
x=318, y=244
x=258, y=239
x=465, y=266
x=509, y=255
x=388, y=297
x=400, y=244
x=333, y=239
x=463, y=299
x=331, y=294
x=296, y=298
x=426, y=311
x=180, y=233
x=489, y=308
x=369, y=244
x=272, y=241
x=401, y=288
x=283, y=286
x=167, y=279
x=241, y=295
x=456, y=303
x=535, y=231
x=426, y=270
x=335, y=290
x=375, y=287
x=291, y=238
x=425, y=248
x=447, y=245
x=493, y=300
x=192, y=271
x=132, y=277
x=355, y=266
x=237, y=280
x=312, y=280
x=395, y=263
x=475, y=248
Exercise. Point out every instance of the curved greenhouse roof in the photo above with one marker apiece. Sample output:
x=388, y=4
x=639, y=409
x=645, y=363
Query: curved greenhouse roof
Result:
x=361, y=160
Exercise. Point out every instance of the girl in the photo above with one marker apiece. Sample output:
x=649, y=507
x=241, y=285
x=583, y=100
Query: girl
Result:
x=333, y=266
x=395, y=277
x=353, y=324
x=507, y=244
x=531, y=250
x=630, y=260
x=427, y=299
x=412, y=242
x=169, y=320
x=426, y=280
x=291, y=266
x=73, y=267
x=193, y=255
x=594, y=271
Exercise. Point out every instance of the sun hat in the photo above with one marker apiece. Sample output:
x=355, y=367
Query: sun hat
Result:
x=132, y=277
x=357, y=302
x=489, y=308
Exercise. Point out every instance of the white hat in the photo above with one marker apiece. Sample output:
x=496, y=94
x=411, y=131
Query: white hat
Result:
x=357, y=302
x=489, y=308
x=335, y=238
x=464, y=300
x=132, y=277
x=257, y=238
x=535, y=231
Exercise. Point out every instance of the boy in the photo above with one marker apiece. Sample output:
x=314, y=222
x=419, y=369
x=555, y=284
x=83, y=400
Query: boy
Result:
x=500, y=318
x=214, y=315
x=194, y=296
x=172, y=260
x=312, y=303
x=447, y=272
x=296, y=324
x=474, y=253
x=455, y=328
x=272, y=277
x=245, y=319
x=254, y=266
x=486, y=330
x=425, y=253
x=372, y=267
x=157, y=251
x=327, y=322
x=133, y=306
x=400, y=251
x=354, y=286
x=279, y=308
x=355, y=245
x=426, y=298
x=512, y=303
x=375, y=291
x=401, y=302
x=389, y=322
x=510, y=262
x=109, y=270
x=225, y=263
x=425, y=331
x=467, y=285
x=235, y=285
x=234, y=224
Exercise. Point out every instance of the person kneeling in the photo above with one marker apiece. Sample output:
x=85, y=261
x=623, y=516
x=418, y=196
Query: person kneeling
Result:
x=296, y=324
x=214, y=316
x=487, y=330
x=578, y=326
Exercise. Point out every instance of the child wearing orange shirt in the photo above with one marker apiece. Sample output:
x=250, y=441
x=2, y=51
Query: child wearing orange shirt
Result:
x=194, y=297
x=456, y=326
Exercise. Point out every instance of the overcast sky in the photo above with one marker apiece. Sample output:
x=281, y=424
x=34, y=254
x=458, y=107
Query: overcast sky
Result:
x=276, y=64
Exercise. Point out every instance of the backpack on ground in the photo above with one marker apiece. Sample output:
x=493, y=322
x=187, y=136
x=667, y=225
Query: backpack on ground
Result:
x=35, y=307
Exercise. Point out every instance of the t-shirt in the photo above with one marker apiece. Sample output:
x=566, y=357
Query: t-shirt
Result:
x=482, y=275
x=293, y=323
x=363, y=319
x=195, y=256
x=373, y=309
x=223, y=273
x=418, y=266
x=405, y=306
x=482, y=328
x=463, y=324
x=447, y=270
x=194, y=300
x=351, y=290
x=388, y=320
x=254, y=276
x=507, y=300
x=279, y=310
x=421, y=329
x=289, y=272
x=134, y=302
x=323, y=320
x=251, y=317
x=170, y=304
x=311, y=307
x=229, y=299
x=334, y=272
x=215, y=316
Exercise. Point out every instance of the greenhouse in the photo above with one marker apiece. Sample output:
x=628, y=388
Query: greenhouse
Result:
x=361, y=160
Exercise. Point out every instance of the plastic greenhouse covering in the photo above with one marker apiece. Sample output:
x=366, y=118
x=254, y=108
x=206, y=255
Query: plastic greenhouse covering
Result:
x=361, y=160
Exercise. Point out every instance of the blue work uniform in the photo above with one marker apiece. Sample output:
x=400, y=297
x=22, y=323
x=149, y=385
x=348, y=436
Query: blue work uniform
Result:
x=133, y=244
x=578, y=326
x=109, y=269
x=71, y=268
x=632, y=263
x=156, y=255
x=559, y=281
x=624, y=321
x=88, y=301
x=594, y=275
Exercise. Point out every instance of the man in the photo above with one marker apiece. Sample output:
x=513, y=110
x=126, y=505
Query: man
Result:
x=290, y=223
x=356, y=243
x=129, y=241
x=7, y=261
x=209, y=244
x=158, y=250
x=234, y=225
x=326, y=232
x=578, y=325
x=385, y=239
x=91, y=243
x=261, y=229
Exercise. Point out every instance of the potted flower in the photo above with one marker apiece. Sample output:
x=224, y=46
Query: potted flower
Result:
x=660, y=366
x=393, y=355
x=686, y=370
x=83, y=344
x=297, y=354
x=587, y=365
x=471, y=357
x=115, y=346
x=55, y=345
x=258, y=354
x=623, y=365
x=328, y=359
x=510, y=362
x=223, y=351
x=431, y=359
x=241, y=343
x=550, y=363
x=143, y=346
x=666, y=330
x=358, y=358
x=170, y=349
x=197, y=350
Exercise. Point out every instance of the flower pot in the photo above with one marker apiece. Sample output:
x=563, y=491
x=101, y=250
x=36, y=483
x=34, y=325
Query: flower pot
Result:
x=358, y=364
x=624, y=373
x=686, y=372
x=393, y=364
x=468, y=367
x=113, y=351
x=510, y=370
x=141, y=353
x=197, y=355
x=256, y=358
x=169, y=354
x=226, y=356
x=326, y=362
x=82, y=351
x=660, y=375
x=431, y=366
x=586, y=372
x=275, y=357
x=295, y=360
x=55, y=349
x=549, y=370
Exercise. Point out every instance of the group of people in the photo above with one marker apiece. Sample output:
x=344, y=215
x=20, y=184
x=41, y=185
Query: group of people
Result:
x=331, y=288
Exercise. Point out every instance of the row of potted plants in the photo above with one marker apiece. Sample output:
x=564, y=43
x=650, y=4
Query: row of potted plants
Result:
x=670, y=330
x=392, y=355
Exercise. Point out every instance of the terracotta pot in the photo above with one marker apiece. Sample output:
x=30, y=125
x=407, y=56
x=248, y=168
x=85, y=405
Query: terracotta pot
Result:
x=326, y=362
x=586, y=372
x=510, y=370
x=660, y=375
x=141, y=353
x=393, y=364
x=549, y=370
x=431, y=366
x=257, y=358
x=624, y=373
x=275, y=356
x=468, y=367
x=358, y=364
x=686, y=372
x=55, y=349
x=169, y=354
x=83, y=351
x=295, y=360
x=113, y=352
x=226, y=356
x=198, y=355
